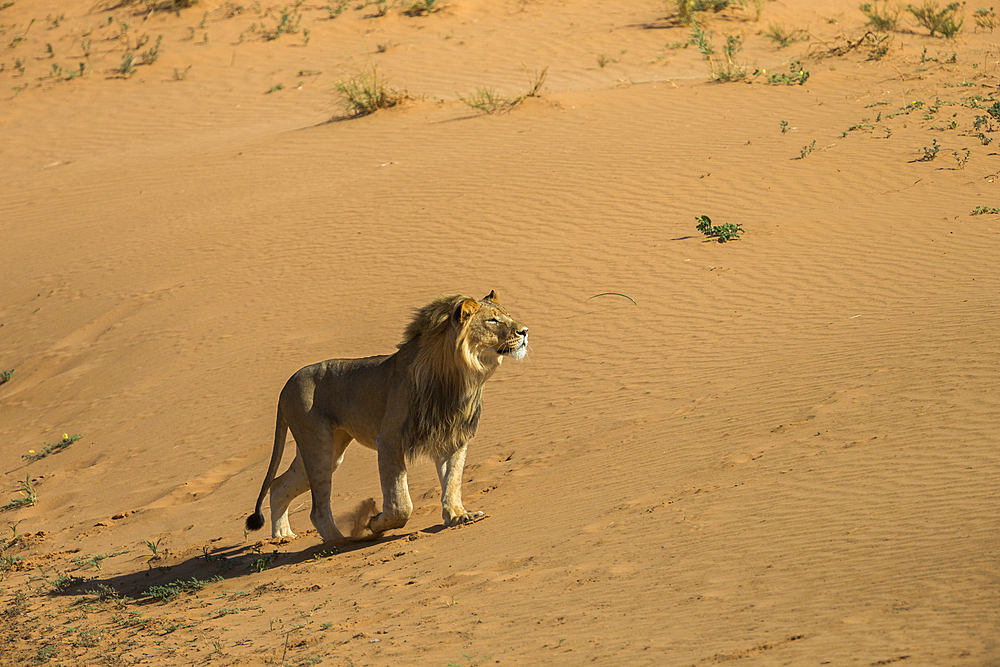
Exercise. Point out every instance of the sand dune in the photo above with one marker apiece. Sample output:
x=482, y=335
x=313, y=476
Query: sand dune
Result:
x=783, y=452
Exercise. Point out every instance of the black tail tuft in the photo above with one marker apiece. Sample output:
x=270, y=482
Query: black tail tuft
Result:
x=255, y=521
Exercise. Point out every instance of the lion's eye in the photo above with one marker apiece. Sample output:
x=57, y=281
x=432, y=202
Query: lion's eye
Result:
x=493, y=320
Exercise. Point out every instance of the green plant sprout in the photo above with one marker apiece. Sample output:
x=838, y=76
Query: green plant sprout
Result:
x=797, y=75
x=930, y=153
x=66, y=441
x=153, y=546
x=724, y=233
x=28, y=497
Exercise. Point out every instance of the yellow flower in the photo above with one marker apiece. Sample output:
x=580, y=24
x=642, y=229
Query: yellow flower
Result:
x=65, y=435
x=31, y=451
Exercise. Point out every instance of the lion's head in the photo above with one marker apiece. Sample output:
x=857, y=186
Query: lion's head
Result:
x=489, y=330
x=475, y=334
x=459, y=343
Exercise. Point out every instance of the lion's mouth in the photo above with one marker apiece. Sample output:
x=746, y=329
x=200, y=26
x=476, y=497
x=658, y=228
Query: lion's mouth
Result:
x=516, y=349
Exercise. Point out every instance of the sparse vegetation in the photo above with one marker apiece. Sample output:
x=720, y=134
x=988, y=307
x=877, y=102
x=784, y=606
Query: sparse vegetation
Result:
x=175, y=589
x=985, y=18
x=7, y=375
x=882, y=15
x=288, y=23
x=486, y=100
x=878, y=45
x=941, y=20
x=95, y=560
x=366, y=92
x=336, y=9
x=603, y=60
x=721, y=69
x=984, y=210
x=807, y=150
x=536, y=78
x=47, y=449
x=782, y=36
x=962, y=159
x=159, y=5
x=27, y=499
x=724, y=233
x=422, y=8
x=264, y=562
x=61, y=583
x=797, y=75
x=930, y=153
x=150, y=55
x=153, y=546
x=382, y=7
x=127, y=67
x=686, y=9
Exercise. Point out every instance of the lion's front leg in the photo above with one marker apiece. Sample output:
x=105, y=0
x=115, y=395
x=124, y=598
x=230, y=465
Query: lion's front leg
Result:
x=450, y=470
x=396, y=503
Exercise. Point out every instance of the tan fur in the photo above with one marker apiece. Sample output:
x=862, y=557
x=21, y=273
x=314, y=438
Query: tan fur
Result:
x=423, y=400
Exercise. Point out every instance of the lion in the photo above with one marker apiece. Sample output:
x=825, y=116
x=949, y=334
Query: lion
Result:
x=423, y=400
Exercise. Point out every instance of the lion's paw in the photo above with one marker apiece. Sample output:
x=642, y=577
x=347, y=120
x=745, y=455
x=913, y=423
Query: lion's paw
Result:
x=464, y=517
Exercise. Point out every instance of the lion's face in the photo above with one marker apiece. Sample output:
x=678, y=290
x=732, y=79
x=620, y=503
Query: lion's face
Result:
x=490, y=329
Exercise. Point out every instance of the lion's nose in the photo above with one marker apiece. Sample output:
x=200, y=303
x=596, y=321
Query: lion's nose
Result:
x=523, y=332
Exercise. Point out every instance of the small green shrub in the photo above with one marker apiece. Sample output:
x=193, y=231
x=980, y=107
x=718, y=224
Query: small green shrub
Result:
x=930, y=153
x=367, y=92
x=722, y=69
x=27, y=499
x=288, y=23
x=781, y=35
x=686, y=9
x=724, y=233
x=127, y=68
x=881, y=16
x=422, y=8
x=150, y=55
x=797, y=75
x=335, y=10
x=986, y=18
x=174, y=589
x=486, y=100
x=944, y=21
x=6, y=376
x=983, y=210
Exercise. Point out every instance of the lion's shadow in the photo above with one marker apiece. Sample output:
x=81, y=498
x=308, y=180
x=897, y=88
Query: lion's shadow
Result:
x=233, y=562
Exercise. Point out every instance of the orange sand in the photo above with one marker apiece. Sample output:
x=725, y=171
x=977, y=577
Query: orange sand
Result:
x=785, y=453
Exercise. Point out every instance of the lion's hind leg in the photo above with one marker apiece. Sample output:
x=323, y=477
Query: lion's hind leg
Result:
x=321, y=460
x=286, y=488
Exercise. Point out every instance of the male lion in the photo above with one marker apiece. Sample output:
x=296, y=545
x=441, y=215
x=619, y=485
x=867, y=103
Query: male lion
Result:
x=423, y=400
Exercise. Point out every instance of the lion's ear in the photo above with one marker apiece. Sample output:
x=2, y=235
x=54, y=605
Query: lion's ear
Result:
x=465, y=310
x=492, y=296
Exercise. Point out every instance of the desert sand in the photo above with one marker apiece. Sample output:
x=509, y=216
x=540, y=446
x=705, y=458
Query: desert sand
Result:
x=778, y=450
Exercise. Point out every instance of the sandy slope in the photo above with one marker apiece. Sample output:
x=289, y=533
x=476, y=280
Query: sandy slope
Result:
x=786, y=452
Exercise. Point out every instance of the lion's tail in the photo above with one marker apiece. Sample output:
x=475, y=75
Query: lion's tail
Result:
x=256, y=520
